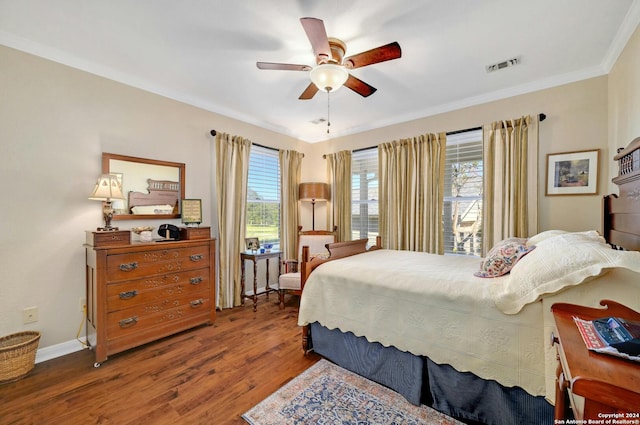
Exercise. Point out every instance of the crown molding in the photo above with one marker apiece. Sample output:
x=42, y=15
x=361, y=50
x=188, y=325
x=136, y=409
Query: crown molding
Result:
x=625, y=31
x=629, y=25
x=534, y=86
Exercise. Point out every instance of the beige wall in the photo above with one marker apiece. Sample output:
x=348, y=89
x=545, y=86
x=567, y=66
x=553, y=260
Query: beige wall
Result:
x=56, y=121
x=576, y=120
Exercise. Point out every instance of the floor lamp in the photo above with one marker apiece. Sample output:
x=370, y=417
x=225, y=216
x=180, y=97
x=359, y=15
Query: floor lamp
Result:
x=313, y=192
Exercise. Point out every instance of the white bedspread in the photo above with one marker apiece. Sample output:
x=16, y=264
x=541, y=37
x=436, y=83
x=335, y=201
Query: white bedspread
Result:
x=375, y=295
x=433, y=305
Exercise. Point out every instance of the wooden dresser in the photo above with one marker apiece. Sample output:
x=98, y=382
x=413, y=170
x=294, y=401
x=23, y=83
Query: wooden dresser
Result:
x=140, y=292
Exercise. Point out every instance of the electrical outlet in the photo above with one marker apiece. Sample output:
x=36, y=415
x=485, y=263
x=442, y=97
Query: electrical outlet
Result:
x=83, y=304
x=30, y=315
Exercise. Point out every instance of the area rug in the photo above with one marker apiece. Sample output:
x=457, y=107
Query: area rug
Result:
x=330, y=395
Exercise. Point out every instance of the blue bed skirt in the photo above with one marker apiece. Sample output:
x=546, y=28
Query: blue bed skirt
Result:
x=462, y=395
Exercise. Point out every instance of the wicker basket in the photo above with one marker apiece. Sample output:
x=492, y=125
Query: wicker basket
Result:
x=17, y=355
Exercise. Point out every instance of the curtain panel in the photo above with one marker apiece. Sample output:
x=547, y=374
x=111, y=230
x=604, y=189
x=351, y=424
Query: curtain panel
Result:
x=290, y=172
x=232, y=173
x=412, y=193
x=339, y=208
x=510, y=180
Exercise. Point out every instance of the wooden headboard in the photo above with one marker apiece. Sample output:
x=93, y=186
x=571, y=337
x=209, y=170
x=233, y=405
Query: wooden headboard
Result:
x=161, y=192
x=621, y=219
x=336, y=250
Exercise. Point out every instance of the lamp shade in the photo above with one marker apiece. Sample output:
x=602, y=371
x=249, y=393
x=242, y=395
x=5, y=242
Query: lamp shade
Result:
x=108, y=187
x=328, y=77
x=314, y=192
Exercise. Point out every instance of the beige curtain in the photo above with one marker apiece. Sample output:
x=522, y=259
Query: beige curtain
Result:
x=290, y=171
x=411, y=193
x=339, y=207
x=232, y=171
x=510, y=180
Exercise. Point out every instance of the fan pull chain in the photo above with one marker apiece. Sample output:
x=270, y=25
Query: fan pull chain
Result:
x=328, y=109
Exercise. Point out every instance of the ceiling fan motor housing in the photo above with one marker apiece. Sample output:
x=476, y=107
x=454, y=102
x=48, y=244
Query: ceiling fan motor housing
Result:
x=338, y=49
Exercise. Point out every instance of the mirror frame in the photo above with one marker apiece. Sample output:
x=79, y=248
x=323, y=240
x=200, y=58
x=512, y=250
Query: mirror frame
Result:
x=107, y=157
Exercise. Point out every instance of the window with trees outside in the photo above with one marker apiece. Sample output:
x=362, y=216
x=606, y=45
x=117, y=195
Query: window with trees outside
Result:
x=364, y=195
x=263, y=196
x=463, y=188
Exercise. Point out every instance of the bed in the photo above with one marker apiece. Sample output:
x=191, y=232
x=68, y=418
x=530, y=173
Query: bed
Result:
x=162, y=198
x=475, y=348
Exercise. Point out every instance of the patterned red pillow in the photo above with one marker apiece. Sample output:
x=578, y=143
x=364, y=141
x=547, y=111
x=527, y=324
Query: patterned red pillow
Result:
x=503, y=256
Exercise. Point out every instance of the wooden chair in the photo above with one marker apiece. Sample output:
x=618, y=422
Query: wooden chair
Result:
x=289, y=281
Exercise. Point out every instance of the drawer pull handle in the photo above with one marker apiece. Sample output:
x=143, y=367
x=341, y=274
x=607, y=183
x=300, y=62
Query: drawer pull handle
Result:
x=125, y=323
x=127, y=295
x=129, y=267
x=196, y=280
x=196, y=303
x=196, y=257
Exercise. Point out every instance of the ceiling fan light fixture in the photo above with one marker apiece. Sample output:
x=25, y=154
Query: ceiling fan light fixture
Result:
x=329, y=77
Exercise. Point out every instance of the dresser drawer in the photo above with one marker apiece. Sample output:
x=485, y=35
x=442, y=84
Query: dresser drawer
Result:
x=161, y=313
x=156, y=288
x=139, y=264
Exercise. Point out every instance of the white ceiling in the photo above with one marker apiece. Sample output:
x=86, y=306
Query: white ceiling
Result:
x=204, y=52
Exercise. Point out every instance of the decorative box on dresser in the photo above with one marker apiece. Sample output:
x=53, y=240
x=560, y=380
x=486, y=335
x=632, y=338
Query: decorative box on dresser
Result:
x=139, y=292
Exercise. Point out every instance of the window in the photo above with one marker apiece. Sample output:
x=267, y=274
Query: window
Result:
x=364, y=195
x=263, y=196
x=463, y=185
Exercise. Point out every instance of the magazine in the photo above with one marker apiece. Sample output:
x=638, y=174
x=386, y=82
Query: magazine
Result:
x=611, y=335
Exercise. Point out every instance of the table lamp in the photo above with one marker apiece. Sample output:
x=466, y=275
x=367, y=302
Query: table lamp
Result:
x=107, y=188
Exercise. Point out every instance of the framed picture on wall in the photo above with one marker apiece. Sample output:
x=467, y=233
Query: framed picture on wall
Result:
x=572, y=173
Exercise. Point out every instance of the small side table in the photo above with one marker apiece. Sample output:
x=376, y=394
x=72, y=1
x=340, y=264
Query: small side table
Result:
x=605, y=384
x=256, y=256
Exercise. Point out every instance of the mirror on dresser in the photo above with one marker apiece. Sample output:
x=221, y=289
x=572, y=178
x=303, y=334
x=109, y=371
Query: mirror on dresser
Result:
x=153, y=189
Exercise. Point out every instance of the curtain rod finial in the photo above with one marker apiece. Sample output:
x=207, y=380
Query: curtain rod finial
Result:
x=213, y=132
x=542, y=117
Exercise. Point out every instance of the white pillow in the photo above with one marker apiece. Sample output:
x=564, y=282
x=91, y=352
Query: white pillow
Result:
x=559, y=262
x=533, y=240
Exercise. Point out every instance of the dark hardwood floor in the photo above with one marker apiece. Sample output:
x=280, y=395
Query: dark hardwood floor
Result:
x=208, y=375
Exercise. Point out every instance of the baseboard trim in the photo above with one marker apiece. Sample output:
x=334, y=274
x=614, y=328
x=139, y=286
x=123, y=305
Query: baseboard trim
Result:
x=58, y=350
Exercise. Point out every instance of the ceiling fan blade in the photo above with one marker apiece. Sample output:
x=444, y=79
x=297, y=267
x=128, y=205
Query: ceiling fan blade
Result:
x=317, y=36
x=360, y=86
x=309, y=92
x=379, y=54
x=282, y=66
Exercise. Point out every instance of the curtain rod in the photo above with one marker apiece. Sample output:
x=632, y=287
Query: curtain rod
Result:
x=214, y=132
x=541, y=117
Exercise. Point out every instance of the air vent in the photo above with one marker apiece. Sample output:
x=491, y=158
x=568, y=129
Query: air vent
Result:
x=505, y=64
x=318, y=121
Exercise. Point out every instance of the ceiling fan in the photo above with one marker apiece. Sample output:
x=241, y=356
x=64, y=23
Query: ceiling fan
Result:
x=331, y=71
